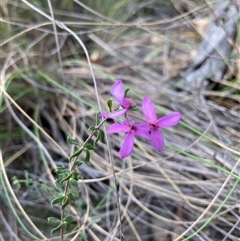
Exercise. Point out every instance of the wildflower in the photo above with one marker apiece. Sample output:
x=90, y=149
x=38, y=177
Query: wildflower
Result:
x=131, y=129
x=155, y=124
x=118, y=92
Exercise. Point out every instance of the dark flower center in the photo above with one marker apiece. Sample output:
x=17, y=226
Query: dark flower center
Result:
x=153, y=126
x=133, y=128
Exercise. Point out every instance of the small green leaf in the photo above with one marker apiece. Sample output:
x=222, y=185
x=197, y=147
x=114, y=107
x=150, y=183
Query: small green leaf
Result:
x=91, y=128
x=72, y=141
x=135, y=108
x=97, y=220
x=76, y=176
x=71, y=197
x=68, y=227
x=74, y=188
x=75, y=154
x=26, y=174
x=66, y=178
x=58, y=186
x=53, y=220
x=97, y=122
x=57, y=200
x=89, y=146
x=61, y=169
x=79, y=163
x=69, y=219
x=126, y=91
x=16, y=183
x=66, y=201
x=102, y=136
x=97, y=139
x=57, y=228
x=84, y=235
x=109, y=103
x=28, y=181
x=87, y=157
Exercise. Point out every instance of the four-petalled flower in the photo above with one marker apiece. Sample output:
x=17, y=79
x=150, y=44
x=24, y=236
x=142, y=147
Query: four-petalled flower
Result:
x=155, y=124
x=118, y=92
x=150, y=129
x=131, y=129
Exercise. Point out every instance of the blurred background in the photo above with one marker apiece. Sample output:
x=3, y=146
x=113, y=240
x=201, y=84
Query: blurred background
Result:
x=183, y=54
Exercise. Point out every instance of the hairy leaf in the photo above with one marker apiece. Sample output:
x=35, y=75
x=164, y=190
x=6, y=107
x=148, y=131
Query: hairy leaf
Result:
x=66, y=201
x=98, y=120
x=68, y=227
x=89, y=146
x=57, y=200
x=79, y=163
x=97, y=139
x=102, y=136
x=87, y=157
x=91, y=128
x=57, y=228
x=134, y=108
x=69, y=219
x=109, y=103
x=66, y=178
x=126, y=91
x=53, y=220
x=75, y=154
x=76, y=176
x=72, y=141
x=61, y=169
x=71, y=197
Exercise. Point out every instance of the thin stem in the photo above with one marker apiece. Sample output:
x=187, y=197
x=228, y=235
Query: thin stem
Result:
x=86, y=141
x=72, y=165
x=136, y=116
x=117, y=196
x=115, y=183
x=62, y=212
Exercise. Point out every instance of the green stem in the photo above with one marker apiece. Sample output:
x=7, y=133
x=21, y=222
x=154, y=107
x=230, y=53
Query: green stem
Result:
x=215, y=213
x=72, y=165
x=205, y=161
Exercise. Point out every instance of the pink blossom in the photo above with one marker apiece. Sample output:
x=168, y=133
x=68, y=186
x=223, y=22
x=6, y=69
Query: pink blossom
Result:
x=131, y=129
x=155, y=124
x=118, y=92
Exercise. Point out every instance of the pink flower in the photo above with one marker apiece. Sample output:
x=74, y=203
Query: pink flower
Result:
x=118, y=92
x=155, y=124
x=131, y=129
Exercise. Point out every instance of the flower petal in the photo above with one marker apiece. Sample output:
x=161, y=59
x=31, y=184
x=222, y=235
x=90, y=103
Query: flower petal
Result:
x=148, y=109
x=157, y=140
x=114, y=114
x=142, y=130
x=118, y=92
x=127, y=146
x=118, y=127
x=127, y=104
x=169, y=120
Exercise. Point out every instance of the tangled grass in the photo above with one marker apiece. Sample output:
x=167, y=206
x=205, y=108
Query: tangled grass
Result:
x=189, y=191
